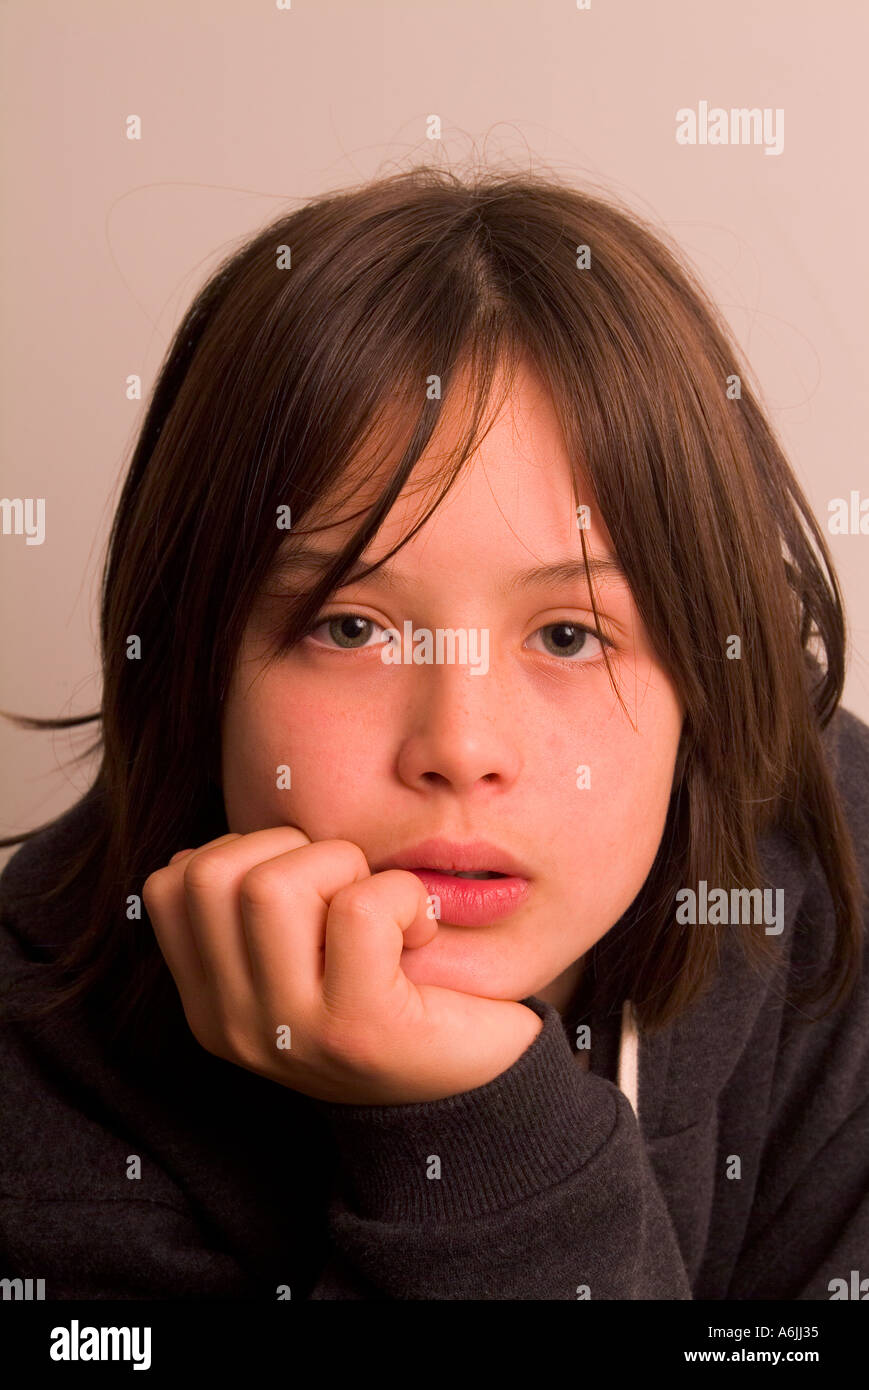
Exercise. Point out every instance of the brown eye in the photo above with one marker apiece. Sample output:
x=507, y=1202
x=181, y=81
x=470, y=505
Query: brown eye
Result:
x=572, y=640
x=349, y=631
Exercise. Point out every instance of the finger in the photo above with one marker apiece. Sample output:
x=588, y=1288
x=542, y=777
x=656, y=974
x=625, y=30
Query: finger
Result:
x=163, y=896
x=212, y=880
x=209, y=844
x=284, y=904
x=365, y=931
x=164, y=899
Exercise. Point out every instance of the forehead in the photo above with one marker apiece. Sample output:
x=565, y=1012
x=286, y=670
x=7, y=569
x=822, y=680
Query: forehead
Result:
x=517, y=486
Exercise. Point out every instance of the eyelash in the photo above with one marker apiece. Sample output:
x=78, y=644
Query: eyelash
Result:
x=322, y=620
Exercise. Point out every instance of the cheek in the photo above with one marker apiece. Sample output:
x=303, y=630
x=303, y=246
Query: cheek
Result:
x=616, y=783
x=608, y=837
x=331, y=762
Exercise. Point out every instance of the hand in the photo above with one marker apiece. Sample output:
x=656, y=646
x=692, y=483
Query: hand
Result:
x=270, y=929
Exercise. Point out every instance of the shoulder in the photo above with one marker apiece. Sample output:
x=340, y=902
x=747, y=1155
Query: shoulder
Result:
x=41, y=862
x=836, y=1034
x=847, y=741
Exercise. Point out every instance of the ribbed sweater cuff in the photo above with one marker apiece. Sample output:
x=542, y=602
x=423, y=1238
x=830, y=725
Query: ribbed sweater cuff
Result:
x=523, y=1132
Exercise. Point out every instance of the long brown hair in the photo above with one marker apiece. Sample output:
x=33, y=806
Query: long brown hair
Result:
x=333, y=319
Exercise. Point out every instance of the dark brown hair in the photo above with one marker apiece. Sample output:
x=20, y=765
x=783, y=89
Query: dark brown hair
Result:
x=289, y=361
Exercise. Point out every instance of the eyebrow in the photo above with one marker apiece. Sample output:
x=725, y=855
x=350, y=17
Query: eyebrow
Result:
x=566, y=571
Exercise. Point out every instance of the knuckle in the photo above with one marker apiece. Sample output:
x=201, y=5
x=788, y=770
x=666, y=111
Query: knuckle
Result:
x=235, y=1044
x=201, y=1025
x=210, y=1035
x=348, y=1043
x=354, y=856
x=215, y=1027
x=357, y=900
x=154, y=886
x=260, y=884
x=213, y=1044
x=204, y=872
x=149, y=895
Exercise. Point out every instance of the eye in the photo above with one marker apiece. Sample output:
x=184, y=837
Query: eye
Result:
x=352, y=631
x=571, y=640
x=349, y=631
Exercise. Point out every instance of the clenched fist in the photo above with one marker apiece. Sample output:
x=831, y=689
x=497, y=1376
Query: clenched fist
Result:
x=269, y=932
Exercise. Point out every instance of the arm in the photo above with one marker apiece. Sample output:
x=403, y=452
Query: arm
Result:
x=102, y=1248
x=810, y=1216
x=529, y=1187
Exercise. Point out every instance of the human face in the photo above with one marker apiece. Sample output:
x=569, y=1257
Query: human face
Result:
x=386, y=755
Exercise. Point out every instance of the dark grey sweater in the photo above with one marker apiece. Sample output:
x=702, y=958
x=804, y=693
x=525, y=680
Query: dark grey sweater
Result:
x=549, y=1186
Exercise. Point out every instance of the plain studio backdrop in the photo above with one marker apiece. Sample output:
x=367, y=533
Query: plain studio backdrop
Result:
x=250, y=107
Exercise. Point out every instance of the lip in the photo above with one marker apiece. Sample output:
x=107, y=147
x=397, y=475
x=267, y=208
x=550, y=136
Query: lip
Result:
x=449, y=856
x=463, y=902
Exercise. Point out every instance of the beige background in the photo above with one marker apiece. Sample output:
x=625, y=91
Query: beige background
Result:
x=248, y=109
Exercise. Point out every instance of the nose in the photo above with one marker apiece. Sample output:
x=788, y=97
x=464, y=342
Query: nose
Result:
x=460, y=731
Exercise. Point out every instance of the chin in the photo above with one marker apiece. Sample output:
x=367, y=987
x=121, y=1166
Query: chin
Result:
x=461, y=958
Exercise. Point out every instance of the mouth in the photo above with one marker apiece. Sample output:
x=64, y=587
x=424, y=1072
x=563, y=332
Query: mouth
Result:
x=472, y=874
x=473, y=884
x=479, y=859
x=472, y=898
